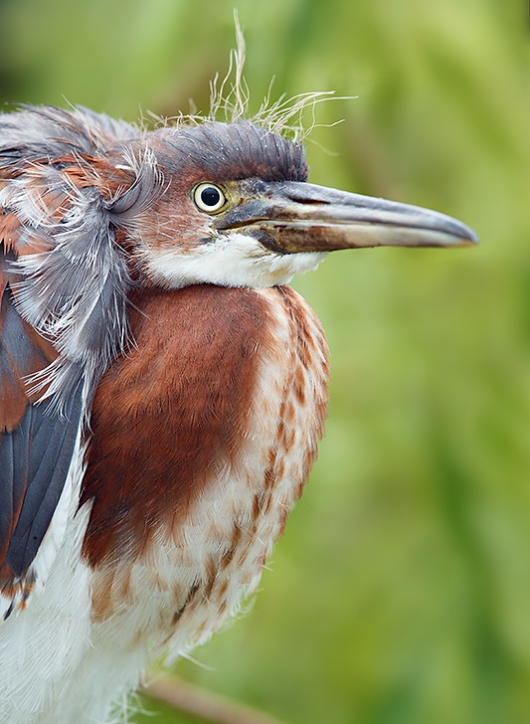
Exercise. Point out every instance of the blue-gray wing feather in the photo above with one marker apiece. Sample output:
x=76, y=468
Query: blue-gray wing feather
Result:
x=43, y=444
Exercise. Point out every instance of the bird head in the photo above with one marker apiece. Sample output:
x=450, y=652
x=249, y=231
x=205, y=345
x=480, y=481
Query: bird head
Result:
x=90, y=206
x=230, y=205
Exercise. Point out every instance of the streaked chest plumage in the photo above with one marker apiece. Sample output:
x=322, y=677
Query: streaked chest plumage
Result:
x=201, y=439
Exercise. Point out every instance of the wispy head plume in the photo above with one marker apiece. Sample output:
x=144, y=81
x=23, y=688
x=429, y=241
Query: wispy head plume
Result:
x=230, y=100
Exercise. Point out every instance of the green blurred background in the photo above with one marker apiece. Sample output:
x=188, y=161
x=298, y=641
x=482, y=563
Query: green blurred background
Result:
x=400, y=593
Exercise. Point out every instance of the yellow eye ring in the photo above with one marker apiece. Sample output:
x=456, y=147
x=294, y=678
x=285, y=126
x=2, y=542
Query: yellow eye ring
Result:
x=209, y=197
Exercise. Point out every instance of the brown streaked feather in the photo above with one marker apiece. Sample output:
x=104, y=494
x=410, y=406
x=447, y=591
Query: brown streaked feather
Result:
x=84, y=170
x=193, y=561
x=10, y=229
x=170, y=414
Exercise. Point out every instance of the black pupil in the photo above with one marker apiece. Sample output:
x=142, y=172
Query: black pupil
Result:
x=210, y=196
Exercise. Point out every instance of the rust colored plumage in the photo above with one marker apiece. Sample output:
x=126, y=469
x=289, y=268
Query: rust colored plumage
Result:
x=209, y=491
x=170, y=412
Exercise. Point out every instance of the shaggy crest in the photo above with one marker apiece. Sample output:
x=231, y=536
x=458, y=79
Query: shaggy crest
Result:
x=230, y=102
x=72, y=179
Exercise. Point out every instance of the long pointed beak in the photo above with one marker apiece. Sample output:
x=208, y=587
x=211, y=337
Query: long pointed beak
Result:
x=291, y=217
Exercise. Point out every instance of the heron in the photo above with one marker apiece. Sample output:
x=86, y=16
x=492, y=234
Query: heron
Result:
x=162, y=388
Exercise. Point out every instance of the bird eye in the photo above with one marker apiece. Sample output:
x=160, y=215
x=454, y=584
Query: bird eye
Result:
x=209, y=198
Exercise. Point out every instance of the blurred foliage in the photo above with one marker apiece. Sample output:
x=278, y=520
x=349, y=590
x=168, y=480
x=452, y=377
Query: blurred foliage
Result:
x=400, y=593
